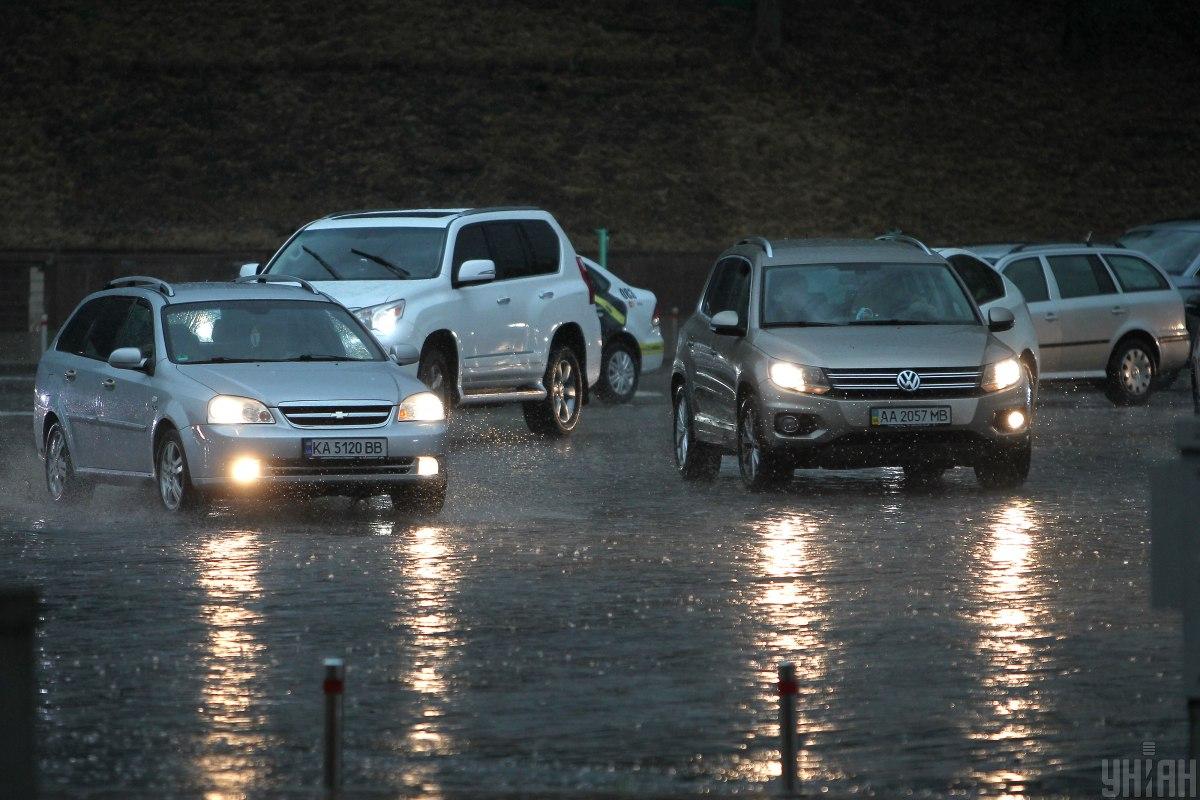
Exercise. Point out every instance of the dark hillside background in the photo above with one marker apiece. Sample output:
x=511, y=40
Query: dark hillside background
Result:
x=223, y=125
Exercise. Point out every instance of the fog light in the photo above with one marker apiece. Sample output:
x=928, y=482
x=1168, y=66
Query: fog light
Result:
x=427, y=465
x=1015, y=420
x=787, y=423
x=246, y=470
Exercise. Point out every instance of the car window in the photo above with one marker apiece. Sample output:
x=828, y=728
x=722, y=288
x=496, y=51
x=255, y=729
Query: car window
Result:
x=601, y=283
x=1080, y=276
x=729, y=289
x=1027, y=275
x=137, y=330
x=984, y=283
x=469, y=245
x=543, y=246
x=507, y=249
x=1135, y=275
x=94, y=332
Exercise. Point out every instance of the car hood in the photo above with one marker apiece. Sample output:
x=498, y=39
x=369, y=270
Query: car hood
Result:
x=883, y=346
x=357, y=294
x=275, y=383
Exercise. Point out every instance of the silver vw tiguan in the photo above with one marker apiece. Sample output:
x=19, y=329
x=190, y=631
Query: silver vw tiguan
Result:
x=843, y=355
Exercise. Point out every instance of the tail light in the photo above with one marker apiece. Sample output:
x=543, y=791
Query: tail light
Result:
x=587, y=280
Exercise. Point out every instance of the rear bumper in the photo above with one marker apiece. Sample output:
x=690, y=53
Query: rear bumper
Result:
x=1173, y=352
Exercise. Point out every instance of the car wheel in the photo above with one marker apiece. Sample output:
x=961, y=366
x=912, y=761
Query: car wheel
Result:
x=695, y=460
x=175, y=489
x=1130, y=374
x=618, y=373
x=1004, y=466
x=62, y=482
x=425, y=499
x=761, y=469
x=558, y=414
x=923, y=474
x=434, y=372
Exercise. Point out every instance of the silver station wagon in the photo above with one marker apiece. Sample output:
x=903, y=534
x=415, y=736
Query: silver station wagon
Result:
x=216, y=388
x=847, y=354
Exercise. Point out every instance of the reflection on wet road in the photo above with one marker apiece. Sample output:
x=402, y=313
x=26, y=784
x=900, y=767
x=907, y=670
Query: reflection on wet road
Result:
x=579, y=618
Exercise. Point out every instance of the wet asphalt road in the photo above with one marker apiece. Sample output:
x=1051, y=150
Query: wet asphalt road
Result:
x=578, y=618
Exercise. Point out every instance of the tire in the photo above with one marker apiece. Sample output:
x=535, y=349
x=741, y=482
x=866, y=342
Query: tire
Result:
x=694, y=460
x=761, y=469
x=1004, y=467
x=619, y=373
x=1131, y=373
x=171, y=475
x=63, y=484
x=434, y=371
x=923, y=474
x=421, y=500
x=558, y=415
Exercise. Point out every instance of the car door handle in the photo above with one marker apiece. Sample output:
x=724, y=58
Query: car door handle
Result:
x=108, y=383
x=503, y=301
x=546, y=295
x=1118, y=310
x=69, y=374
x=1051, y=316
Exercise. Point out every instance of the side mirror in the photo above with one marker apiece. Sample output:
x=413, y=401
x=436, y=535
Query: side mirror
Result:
x=477, y=270
x=726, y=323
x=1000, y=319
x=248, y=270
x=404, y=354
x=127, y=358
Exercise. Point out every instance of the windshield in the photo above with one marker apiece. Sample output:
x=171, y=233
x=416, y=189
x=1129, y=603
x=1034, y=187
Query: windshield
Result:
x=1172, y=249
x=232, y=331
x=864, y=294
x=362, y=254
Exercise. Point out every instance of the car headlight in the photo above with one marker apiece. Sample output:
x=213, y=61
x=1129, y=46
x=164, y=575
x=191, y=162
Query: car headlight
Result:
x=227, y=410
x=1001, y=375
x=421, y=407
x=798, y=378
x=382, y=318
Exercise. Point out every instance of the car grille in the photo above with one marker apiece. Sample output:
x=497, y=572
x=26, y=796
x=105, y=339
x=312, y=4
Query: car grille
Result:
x=301, y=468
x=337, y=415
x=881, y=384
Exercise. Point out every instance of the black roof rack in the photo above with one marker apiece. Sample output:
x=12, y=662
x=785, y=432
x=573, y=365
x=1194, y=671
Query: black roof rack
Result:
x=427, y=214
x=491, y=209
x=1085, y=243
x=142, y=282
x=267, y=277
x=897, y=236
x=761, y=241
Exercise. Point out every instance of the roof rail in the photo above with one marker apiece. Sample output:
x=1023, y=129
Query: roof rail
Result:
x=144, y=282
x=897, y=236
x=761, y=241
x=1085, y=243
x=264, y=277
x=491, y=209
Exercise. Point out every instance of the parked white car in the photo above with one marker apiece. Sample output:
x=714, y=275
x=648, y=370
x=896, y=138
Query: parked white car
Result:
x=495, y=299
x=629, y=323
x=1101, y=312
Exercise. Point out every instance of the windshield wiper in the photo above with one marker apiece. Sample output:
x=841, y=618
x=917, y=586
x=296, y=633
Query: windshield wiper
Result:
x=321, y=261
x=316, y=357
x=225, y=360
x=895, y=322
x=803, y=324
x=383, y=262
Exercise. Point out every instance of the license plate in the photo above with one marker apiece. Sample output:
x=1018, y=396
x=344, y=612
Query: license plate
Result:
x=345, y=448
x=906, y=416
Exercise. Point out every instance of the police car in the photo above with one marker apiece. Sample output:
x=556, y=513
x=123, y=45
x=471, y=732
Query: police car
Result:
x=633, y=342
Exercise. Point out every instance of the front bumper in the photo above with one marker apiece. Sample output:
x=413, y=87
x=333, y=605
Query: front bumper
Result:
x=212, y=451
x=836, y=433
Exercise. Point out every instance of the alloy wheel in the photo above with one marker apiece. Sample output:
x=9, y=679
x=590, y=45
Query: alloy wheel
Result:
x=563, y=391
x=170, y=476
x=57, y=464
x=681, y=433
x=1136, y=371
x=749, y=454
x=621, y=372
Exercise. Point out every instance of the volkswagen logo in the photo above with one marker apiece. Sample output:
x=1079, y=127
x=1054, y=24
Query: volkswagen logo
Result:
x=908, y=380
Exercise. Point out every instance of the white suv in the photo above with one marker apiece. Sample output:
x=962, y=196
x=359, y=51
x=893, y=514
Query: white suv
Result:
x=494, y=300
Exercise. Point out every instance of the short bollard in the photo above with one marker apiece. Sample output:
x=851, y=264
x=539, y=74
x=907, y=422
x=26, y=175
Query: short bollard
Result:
x=334, y=685
x=18, y=692
x=787, y=728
